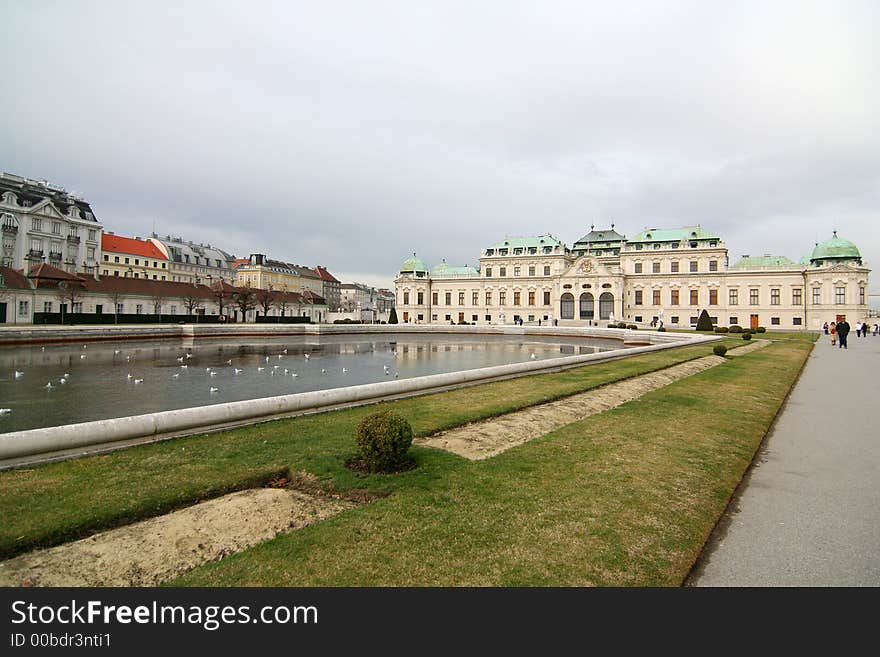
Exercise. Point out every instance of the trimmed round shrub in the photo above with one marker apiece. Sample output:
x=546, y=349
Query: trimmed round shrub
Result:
x=747, y=335
x=661, y=330
x=632, y=327
x=384, y=439
x=760, y=329
x=721, y=329
x=736, y=329
x=719, y=350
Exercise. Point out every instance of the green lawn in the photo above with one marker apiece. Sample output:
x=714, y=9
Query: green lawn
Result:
x=624, y=497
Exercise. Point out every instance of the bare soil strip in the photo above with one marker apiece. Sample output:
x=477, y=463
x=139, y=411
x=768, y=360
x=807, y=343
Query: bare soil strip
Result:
x=153, y=551
x=488, y=438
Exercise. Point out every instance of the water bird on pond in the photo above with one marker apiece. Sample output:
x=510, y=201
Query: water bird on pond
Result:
x=62, y=380
x=175, y=375
x=344, y=370
x=396, y=375
x=286, y=371
x=213, y=389
x=275, y=367
x=116, y=352
x=189, y=355
x=128, y=376
x=307, y=356
x=49, y=385
x=128, y=358
x=82, y=356
x=284, y=351
x=237, y=371
x=323, y=371
x=18, y=374
x=267, y=359
x=66, y=375
x=212, y=373
x=180, y=359
x=260, y=369
x=280, y=356
x=5, y=411
x=138, y=381
x=229, y=362
x=533, y=357
x=294, y=374
x=183, y=367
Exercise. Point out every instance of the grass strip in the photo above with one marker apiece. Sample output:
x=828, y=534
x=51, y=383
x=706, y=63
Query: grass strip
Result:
x=58, y=502
x=626, y=497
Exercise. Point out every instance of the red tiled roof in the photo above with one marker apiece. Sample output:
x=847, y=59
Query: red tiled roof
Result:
x=238, y=262
x=119, y=244
x=50, y=273
x=326, y=275
x=14, y=279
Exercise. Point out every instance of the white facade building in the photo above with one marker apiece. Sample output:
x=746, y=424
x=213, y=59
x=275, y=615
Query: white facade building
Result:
x=659, y=275
x=42, y=223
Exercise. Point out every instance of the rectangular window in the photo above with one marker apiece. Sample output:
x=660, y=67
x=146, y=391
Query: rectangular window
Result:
x=488, y=272
x=502, y=297
x=695, y=297
x=475, y=299
x=56, y=227
x=638, y=268
x=36, y=224
x=774, y=321
x=502, y=271
x=673, y=300
x=406, y=298
x=713, y=265
x=421, y=298
x=173, y=310
x=655, y=297
x=116, y=273
x=47, y=306
x=840, y=295
x=93, y=235
x=673, y=319
x=76, y=307
x=713, y=297
x=734, y=321
x=516, y=298
x=448, y=318
x=22, y=308
x=817, y=296
x=488, y=318
x=461, y=298
x=753, y=297
x=516, y=271
x=126, y=261
x=448, y=297
x=694, y=320
x=638, y=298
x=488, y=298
x=531, y=270
x=655, y=267
x=861, y=296
x=673, y=266
x=531, y=297
x=638, y=318
x=474, y=318
x=797, y=296
x=774, y=297
x=694, y=266
x=796, y=321
x=139, y=309
x=90, y=253
x=434, y=298
x=163, y=265
x=546, y=298
x=733, y=297
x=546, y=270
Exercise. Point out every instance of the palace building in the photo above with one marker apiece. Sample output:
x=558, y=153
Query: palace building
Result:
x=658, y=275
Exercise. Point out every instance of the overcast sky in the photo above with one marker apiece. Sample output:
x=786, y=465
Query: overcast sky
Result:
x=351, y=134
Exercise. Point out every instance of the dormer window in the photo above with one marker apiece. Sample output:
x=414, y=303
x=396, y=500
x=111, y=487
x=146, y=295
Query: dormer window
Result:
x=638, y=247
x=548, y=249
x=502, y=251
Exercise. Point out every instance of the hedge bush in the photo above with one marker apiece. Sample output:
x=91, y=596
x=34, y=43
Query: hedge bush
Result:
x=384, y=439
x=721, y=329
x=703, y=322
x=747, y=335
x=661, y=330
x=736, y=329
x=761, y=329
x=719, y=350
x=632, y=327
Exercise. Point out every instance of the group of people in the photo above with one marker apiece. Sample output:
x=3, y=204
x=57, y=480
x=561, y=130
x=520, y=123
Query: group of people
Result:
x=840, y=330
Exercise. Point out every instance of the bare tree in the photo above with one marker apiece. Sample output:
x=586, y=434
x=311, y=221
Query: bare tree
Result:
x=116, y=298
x=68, y=293
x=221, y=296
x=158, y=299
x=245, y=299
x=192, y=299
x=266, y=300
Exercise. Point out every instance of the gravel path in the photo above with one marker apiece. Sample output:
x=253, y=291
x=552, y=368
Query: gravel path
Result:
x=481, y=440
x=155, y=550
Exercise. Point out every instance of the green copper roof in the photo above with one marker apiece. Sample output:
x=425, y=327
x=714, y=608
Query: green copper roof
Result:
x=835, y=249
x=762, y=262
x=526, y=242
x=597, y=236
x=447, y=270
x=674, y=234
x=413, y=264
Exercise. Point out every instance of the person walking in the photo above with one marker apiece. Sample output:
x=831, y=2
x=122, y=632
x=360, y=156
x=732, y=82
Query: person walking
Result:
x=842, y=331
x=825, y=326
x=876, y=329
x=833, y=331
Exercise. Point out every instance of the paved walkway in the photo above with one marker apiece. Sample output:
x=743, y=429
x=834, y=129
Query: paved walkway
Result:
x=809, y=513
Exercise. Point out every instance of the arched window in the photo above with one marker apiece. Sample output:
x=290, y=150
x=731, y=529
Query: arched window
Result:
x=586, y=306
x=566, y=306
x=606, y=305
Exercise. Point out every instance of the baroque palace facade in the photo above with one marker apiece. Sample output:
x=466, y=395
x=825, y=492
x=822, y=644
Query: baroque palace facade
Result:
x=659, y=275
